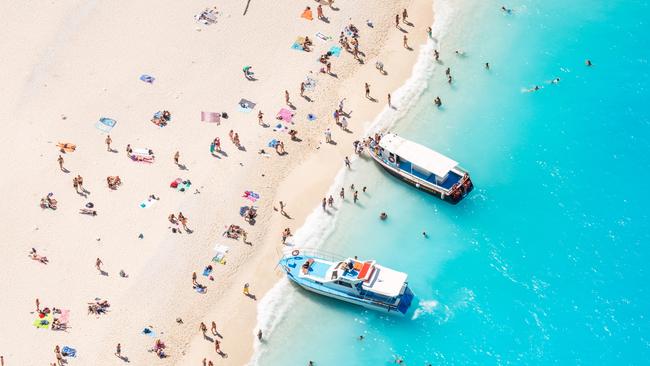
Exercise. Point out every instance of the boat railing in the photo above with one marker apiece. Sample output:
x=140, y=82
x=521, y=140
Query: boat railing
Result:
x=314, y=252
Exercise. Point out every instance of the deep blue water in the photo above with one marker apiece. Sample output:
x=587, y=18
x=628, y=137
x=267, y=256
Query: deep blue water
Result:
x=546, y=262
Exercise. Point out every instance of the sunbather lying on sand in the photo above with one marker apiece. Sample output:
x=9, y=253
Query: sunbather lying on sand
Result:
x=35, y=256
x=87, y=211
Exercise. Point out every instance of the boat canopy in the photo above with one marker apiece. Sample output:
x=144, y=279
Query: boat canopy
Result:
x=417, y=154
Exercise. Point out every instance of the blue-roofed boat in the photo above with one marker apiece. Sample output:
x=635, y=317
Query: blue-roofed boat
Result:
x=421, y=167
x=358, y=282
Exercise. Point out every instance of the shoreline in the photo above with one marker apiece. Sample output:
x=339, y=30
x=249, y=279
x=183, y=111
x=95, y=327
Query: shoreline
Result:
x=76, y=90
x=310, y=171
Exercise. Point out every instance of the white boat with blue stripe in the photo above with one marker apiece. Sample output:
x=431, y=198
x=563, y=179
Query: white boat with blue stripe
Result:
x=358, y=282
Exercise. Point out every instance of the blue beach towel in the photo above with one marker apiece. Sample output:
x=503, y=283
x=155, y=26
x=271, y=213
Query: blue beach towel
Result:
x=207, y=271
x=105, y=124
x=149, y=332
x=311, y=117
x=335, y=51
x=147, y=78
x=297, y=46
x=273, y=143
x=68, y=351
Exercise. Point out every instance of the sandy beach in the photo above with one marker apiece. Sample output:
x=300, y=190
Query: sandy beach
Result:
x=71, y=64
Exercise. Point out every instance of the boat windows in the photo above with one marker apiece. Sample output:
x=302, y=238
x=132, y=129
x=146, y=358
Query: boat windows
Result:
x=335, y=275
x=342, y=283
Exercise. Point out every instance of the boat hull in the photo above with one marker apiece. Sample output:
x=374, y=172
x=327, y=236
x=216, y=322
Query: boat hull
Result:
x=400, y=307
x=425, y=186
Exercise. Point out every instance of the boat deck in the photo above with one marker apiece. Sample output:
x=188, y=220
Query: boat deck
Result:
x=452, y=178
x=318, y=269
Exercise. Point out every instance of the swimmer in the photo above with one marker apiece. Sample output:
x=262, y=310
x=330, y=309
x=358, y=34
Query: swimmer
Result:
x=460, y=53
x=588, y=63
x=424, y=234
x=506, y=10
x=383, y=216
x=361, y=338
x=555, y=81
x=533, y=89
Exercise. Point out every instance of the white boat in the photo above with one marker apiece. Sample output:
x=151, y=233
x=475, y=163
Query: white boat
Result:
x=364, y=283
x=421, y=167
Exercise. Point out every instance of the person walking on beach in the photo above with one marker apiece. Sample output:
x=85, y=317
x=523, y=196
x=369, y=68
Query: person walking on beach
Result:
x=213, y=328
x=98, y=265
x=203, y=328
x=217, y=144
x=330, y=201
x=118, y=350
x=217, y=346
x=302, y=89
x=246, y=289
x=286, y=97
x=129, y=150
x=319, y=12
x=406, y=44
x=75, y=184
x=367, y=87
x=235, y=140
x=183, y=220
x=108, y=143
x=356, y=196
x=430, y=32
x=347, y=163
x=282, y=208
x=328, y=136
x=259, y=332
x=194, y=278
x=389, y=103
x=404, y=16
x=260, y=115
x=397, y=21
x=38, y=306
x=342, y=193
x=177, y=156
x=80, y=182
x=324, y=204
x=436, y=55
x=60, y=160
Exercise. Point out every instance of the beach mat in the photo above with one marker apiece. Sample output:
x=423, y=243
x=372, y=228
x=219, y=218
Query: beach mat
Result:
x=212, y=117
x=323, y=37
x=147, y=203
x=335, y=51
x=246, y=105
x=105, y=124
x=298, y=44
x=43, y=323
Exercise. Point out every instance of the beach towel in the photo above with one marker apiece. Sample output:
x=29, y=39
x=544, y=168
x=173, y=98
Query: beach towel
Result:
x=180, y=184
x=273, y=143
x=207, y=271
x=311, y=117
x=105, y=124
x=43, y=323
x=323, y=37
x=210, y=117
x=307, y=14
x=213, y=147
x=298, y=44
x=220, y=256
x=285, y=114
x=280, y=128
x=149, y=332
x=335, y=51
x=200, y=289
x=68, y=351
x=246, y=105
x=147, y=203
x=310, y=83
x=252, y=196
x=147, y=78
x=65, y=317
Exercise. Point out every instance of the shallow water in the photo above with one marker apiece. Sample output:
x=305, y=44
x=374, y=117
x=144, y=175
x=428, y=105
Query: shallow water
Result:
x=546, y=261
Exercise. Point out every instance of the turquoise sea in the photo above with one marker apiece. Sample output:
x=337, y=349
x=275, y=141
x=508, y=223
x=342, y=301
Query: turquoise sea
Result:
x=546, y=262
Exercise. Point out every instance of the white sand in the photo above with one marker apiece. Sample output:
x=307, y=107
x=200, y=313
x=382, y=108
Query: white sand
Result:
x=82, y=60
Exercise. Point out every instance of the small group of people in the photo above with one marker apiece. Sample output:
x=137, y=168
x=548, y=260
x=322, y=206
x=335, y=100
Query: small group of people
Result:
x=49, y=201
x=98, y=307
x=37, y=257
x=161, y=118
x=113, y=181
x=235, y=231
x=176, y=220
x=234, y=138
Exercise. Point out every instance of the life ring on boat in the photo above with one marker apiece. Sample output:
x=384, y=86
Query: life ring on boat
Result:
x=391, y=159
x=295, y=253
